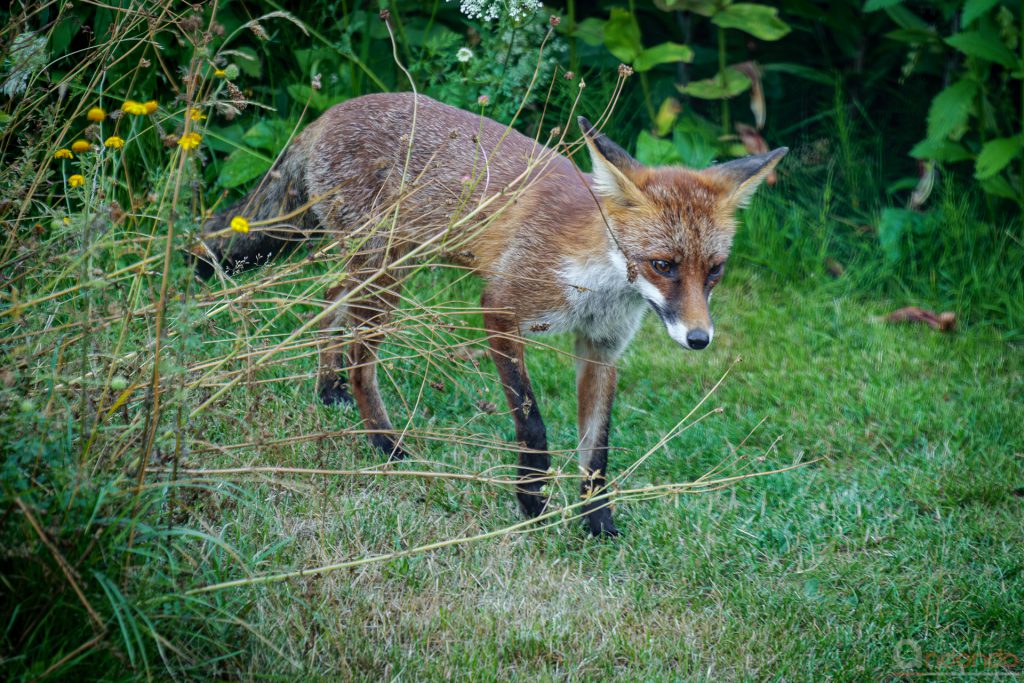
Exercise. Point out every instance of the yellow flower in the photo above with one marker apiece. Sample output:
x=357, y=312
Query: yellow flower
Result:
x=239, y=224
x=76, y=180
x=96, y=114
x=63, y=153
x=81, y=146
x=220, y=73
x=190, y=140
x=150, y=106
x=114, y=142
x=134, y=108
x=195, y=114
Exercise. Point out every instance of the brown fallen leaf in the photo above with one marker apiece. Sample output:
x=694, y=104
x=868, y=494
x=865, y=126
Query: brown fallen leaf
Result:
x=944, y=322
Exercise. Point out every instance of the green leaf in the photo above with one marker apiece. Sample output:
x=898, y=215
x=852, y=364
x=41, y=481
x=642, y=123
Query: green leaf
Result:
x=759, y=21
x=248, y=62
x=985, y=45
x=995, y=155
x=913, y=36
x=656, y=151
x=729, y=83
x=892, y=226
x=800, y=71
x=622, y=35
x=941, y=150
x=269, y=135
x=705, y=8
x=875, y=5
x=590, y=31
x=951, y=108
x=241, y=167
x=666, y=53
x=974, y=9
x=998, y=186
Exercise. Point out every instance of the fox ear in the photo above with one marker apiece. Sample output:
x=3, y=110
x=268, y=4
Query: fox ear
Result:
x=612, y=166
x=743, y=176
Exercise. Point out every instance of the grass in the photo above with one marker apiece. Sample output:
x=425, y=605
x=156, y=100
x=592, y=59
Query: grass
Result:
x=904, y=537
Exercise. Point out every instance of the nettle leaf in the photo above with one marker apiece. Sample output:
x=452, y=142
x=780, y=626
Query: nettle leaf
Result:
x=725, y=84
x=590, y=31
x=705, y=8
x=666, y=53
x=941, y=150
x=951, y=108
x=241, y=167
x=875, y=5
x=985, y=45
x=974, y=9
x=998, y=185
x=656, y=151
x=995, y=155
x=622, y=35
x=759, y=21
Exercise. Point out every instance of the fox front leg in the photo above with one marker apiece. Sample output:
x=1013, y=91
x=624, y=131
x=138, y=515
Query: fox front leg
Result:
x=595, y=393
x=534, y=461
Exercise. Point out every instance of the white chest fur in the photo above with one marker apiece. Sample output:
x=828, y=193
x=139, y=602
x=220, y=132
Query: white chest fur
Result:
x=601, y=303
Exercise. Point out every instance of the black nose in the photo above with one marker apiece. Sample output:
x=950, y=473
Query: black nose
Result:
x=697, y=339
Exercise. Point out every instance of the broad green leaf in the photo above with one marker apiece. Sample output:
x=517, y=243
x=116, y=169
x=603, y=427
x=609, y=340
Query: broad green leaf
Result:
x=241, y=167
x=998, y=186
x=976, y=8
x=705, y=8
x=995, y=155
x=951, y=108
x=905, y=18
x=800, y=71
x=913, y=36
x=622, y=35
x=759, y=21
x=656, y=151
x=893, y=225
x=268, y=135
x=666, y=53
x=729, y=83
x=941, y=150
x=985, y=45
x=875, y=5
x=248, y=62
x=590, y=31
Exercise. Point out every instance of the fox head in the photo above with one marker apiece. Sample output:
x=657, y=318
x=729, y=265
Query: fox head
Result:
x=674, y=226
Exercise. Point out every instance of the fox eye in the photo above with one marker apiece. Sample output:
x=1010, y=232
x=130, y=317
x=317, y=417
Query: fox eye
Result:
x=715, y=272
x=662, y=267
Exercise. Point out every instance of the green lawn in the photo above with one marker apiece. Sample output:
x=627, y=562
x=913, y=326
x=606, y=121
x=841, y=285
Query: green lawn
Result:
x=899, y=549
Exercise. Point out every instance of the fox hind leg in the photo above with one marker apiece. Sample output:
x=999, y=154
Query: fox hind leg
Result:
x=332, y=385
x=595, y=391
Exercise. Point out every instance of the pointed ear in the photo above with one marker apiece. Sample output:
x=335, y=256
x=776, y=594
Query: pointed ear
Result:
x=613, y=166
x=743, y=176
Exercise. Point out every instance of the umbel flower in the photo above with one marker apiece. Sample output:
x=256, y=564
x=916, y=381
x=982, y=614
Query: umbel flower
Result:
x=239, y=224
x=77, y=180
x=96, y=114
x=190, y=140
x=81, y=146
x=63, y=153
x=114, y=142
x=464, y=54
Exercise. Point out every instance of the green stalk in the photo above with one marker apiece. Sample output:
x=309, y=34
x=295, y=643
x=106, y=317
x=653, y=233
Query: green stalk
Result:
x=571, y=11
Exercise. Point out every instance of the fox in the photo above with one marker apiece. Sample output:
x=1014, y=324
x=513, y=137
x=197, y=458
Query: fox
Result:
x=558, y=249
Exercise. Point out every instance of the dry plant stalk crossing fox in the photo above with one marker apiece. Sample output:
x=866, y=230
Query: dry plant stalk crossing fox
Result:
x=560, y=250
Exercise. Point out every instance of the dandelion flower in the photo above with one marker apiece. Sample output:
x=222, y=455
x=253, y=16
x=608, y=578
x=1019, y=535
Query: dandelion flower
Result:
x=81, y=146
x=190, y=140
x=134, y=108
x=220, y=73
x=96, y=114
x=114, y=142
x=150, y=106
x=76, y=180
x=464, y=54
x=239, y=224
x=63, y=153
x=195, y=115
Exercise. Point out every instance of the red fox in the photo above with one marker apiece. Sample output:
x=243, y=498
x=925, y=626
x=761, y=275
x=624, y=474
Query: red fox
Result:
x=559, y=250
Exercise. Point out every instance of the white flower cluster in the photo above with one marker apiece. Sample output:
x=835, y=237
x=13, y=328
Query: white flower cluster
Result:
x=489, y=10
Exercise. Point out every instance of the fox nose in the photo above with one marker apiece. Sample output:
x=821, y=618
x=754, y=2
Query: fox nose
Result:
x=697, y=339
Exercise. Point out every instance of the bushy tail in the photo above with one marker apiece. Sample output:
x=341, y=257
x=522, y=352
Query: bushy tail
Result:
x=280, y=195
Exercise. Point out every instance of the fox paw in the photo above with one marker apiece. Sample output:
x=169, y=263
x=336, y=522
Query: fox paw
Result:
x=335, y=393
x=600, y=523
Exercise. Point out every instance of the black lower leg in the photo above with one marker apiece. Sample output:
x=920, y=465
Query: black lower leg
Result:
x=333, y=389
